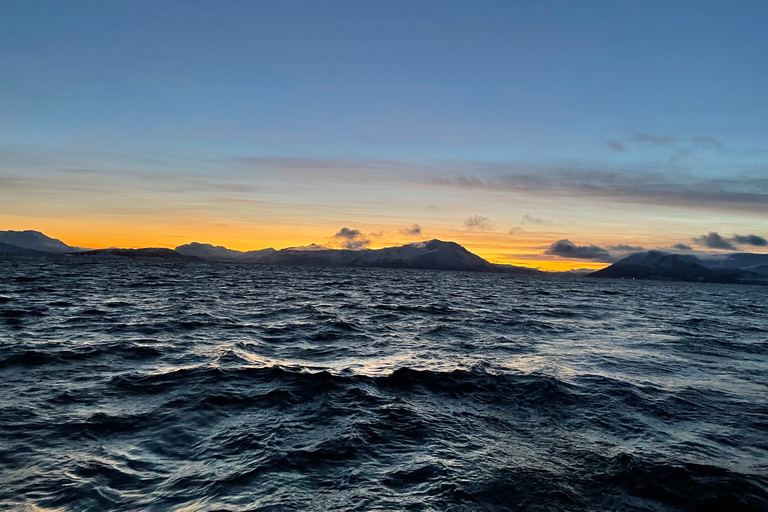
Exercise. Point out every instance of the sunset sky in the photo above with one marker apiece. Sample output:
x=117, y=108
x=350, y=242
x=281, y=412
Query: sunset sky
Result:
x=503, y=126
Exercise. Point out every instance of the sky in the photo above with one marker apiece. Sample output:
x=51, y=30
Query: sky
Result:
x=553, y=134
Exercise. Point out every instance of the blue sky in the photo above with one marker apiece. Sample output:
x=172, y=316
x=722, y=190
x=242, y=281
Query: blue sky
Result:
x=677, y=88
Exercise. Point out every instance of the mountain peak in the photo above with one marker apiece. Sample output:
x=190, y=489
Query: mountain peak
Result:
x=35, y=241
x=659, y=265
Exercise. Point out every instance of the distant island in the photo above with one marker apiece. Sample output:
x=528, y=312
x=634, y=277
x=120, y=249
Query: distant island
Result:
x=744, y=268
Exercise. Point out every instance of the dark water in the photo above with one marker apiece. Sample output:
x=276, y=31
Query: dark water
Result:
x=157, y=386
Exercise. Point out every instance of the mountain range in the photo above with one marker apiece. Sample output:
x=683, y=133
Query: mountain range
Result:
x=746, y=268
x=430, y=255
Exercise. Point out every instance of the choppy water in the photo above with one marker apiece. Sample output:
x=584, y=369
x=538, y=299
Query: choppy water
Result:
x=169, y=386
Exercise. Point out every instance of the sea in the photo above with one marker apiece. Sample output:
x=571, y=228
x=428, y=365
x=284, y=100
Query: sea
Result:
x=188, y=386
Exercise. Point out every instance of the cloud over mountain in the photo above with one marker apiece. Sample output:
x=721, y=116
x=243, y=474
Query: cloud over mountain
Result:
x=713, y=240
x=352, y=238
x=567, y=249
x=626, y=248
x=755, y=240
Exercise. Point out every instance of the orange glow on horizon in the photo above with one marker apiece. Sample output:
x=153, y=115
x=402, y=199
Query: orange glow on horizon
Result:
x=493, y=246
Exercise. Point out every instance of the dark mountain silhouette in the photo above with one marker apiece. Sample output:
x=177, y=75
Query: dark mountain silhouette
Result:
x=36, y=241
x=149, y=252
x=758, y=269
x=431, y=255
x=210, y=252
x=757, y=263
x=20, y=251
x=515, y=269
x=660, y=265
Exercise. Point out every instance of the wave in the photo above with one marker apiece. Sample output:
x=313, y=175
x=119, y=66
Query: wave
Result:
x=138, y=385
x=49, y=356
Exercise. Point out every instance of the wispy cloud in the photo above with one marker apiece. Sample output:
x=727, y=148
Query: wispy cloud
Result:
x=707, y=141
x=656, y=140
x=634, y=184
x=742, y=193
x=337, y=170
x=680, y=147
x=414, y=230
x=478, y=223
x=94, y=180
x=529, y=219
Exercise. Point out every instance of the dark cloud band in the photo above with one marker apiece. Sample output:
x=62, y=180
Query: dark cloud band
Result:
x=714, y=240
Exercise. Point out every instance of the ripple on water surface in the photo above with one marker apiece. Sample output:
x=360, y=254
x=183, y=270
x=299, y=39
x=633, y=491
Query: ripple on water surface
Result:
x=130, y=385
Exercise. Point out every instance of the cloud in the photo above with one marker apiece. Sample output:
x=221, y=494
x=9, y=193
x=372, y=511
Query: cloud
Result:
x=528, y=219
x=626, y=248
x=679, y=155
x=714, y=241
x=707, y=141
x=739, y=193
x=310, y=247
x=750, y=240
x=682, y=247
x=478, y=223
x=681, y=148
x=656, y=140
x=414, y=230
x=644, y=139
x=567, y=249
x=352, y=238
x=515, y=230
